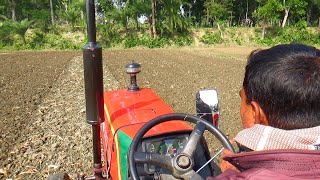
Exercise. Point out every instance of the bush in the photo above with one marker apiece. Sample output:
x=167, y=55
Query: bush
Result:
x=184, y=40
x=267, y=41
x=67, y=44
x=36, y=40
x=131, y=41
x=6, y=35
x=211, y=38
x=238, y=40
x=161, y=42
x=316, y=39
x=149, y=42
x=293, y=34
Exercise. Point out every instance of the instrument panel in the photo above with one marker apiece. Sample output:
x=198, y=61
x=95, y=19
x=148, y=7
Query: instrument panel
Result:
x=166, y=146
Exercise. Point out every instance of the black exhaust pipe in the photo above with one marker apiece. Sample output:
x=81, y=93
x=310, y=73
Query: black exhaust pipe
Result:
x=93, y=77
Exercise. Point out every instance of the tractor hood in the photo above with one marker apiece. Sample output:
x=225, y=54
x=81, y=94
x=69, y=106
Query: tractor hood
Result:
x=125, y=113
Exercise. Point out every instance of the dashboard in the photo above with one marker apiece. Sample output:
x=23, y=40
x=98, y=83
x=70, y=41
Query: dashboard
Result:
x=166, y=146
x=171, y=145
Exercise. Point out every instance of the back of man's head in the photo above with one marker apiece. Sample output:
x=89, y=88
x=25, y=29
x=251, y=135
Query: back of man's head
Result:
x=285, y=81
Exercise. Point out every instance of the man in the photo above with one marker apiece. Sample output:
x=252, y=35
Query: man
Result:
x=280, y=112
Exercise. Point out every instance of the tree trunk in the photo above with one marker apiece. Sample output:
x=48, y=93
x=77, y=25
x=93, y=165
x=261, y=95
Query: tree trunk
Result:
x=137, y=24
x=286, y=14
x=153, y=8
x=230, y=23
x=82, y=15
x=247, y=13
x=126, y=24
x=263, y=29
x=52, y=13
x=13, y=10
x=220, y=30
x=308, y=16
x=149, y=26
x=207, y=18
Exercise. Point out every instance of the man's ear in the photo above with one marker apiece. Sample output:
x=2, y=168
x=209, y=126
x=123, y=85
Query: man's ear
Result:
x=258, y=114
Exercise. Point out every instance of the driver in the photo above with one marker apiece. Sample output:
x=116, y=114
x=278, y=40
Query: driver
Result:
x=280, y=112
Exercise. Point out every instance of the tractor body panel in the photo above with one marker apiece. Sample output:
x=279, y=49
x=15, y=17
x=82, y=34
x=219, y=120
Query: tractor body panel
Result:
x=125, y=113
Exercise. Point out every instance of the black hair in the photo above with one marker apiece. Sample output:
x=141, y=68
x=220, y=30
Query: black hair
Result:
x=285, y=81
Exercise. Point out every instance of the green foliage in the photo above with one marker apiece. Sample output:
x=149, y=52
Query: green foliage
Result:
x=160, y=42
x=109, y=36
x=238, y=40
x=73, y=13
x=41, y=19
x=21, y=28
x=268, y=10
x=215, y=10
x=211, y=38
x=37, y=40
x=294, y=34
x=131, y=41
x=146, y=41
x=184, y=40
x=118, y=16
x=6, y=38
x=296, y=7
x=171, y=21
x=8, y=29
x=268, y=41
x=118, y=24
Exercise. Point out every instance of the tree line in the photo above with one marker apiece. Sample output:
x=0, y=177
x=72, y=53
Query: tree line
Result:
x=159, y=18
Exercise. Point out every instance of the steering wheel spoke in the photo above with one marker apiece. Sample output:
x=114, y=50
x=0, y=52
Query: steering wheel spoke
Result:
x=194, y=139
x=155, y=159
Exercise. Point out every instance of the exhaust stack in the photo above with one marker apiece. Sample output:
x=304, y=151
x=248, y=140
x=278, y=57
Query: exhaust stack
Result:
x=93, y=78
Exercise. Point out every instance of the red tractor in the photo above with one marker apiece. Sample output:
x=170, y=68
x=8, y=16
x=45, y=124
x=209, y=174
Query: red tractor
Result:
x=141, y=136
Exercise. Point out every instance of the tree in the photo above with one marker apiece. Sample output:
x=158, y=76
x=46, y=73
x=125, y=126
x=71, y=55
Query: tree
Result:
x=196, y=12
x=215, y=12
x=120, y=15
x=172, y=20
x=267, y=10
x=72, y=11
x=296, y=6
x=137, y=8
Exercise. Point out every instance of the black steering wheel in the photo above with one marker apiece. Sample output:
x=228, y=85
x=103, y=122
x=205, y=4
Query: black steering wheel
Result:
x=181, y=165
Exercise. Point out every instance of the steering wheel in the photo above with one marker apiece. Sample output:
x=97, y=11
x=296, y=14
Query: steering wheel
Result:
x=181, y=165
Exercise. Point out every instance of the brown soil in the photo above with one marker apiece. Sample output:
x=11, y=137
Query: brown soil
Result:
x=43, y=128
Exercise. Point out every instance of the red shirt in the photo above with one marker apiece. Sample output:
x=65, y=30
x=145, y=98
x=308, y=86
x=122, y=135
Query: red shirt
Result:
x=273, y=165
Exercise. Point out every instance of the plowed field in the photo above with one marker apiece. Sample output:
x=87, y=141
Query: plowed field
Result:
x=42, y=117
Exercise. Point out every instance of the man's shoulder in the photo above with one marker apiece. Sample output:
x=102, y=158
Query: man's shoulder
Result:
x=257, y=174
x=275, y=164
x=277, y=155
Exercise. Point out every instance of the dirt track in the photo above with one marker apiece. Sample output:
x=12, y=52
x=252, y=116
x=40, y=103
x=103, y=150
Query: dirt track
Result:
x=43, y=128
